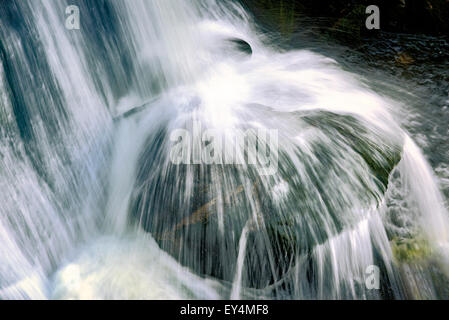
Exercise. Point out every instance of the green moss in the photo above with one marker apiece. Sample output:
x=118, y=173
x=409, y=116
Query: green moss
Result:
x=351, y=25
x=410, y=250
x=279, y=15
x=380, y=155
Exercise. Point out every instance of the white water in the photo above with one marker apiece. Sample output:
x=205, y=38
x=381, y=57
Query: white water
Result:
x=78, y=231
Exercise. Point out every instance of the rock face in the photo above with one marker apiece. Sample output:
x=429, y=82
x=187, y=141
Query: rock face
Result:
x=348, y=17
x=204, y=215
x=241, y=45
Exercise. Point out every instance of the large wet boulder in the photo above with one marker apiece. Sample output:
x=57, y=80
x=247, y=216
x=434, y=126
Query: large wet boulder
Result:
x=213, y=217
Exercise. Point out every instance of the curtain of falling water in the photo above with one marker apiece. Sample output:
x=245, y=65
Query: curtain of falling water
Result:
x=93, y=207
x=55, y=131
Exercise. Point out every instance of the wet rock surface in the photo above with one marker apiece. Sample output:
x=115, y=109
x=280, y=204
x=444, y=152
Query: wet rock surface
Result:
x=402, y=16
x=411, y=48
x=201, y=220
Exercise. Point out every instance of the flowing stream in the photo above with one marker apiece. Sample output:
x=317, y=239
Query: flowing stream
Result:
x=92, y=205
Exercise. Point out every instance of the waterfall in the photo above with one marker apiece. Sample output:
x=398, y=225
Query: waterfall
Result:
x=94, y=207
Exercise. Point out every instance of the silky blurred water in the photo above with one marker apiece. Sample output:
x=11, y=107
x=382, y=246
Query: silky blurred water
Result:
x=92, y=207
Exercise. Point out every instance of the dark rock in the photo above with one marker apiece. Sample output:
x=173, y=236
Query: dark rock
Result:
x=241, y=45
x=183, y=206
x=406, y=16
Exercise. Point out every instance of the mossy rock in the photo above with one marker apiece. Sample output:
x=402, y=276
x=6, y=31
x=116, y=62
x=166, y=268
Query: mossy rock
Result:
x=410, y=250
x=186, y=208
x=351, y=26
x=276, y=15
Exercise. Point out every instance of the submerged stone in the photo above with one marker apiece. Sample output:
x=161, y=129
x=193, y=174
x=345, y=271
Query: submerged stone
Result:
x=198, y=213
x=241, y=45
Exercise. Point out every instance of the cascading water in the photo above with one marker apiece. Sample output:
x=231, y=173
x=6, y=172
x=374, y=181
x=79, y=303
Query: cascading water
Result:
x=93, y=206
